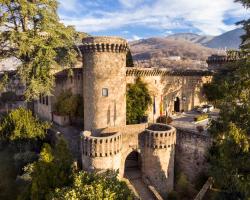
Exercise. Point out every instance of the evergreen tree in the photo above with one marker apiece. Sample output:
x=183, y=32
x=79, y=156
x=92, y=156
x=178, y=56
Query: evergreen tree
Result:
x=138, y=101
x=94, y=186
x=230, y=155
x=53, y=170
x=129, y=59
x=31, y=32
x=20, y=124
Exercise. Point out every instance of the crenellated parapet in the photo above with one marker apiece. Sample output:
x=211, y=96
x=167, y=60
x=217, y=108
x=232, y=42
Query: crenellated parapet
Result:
x=104, y=44
x=160, y=136
x=165, y=72
x=102, y=146
x=231, y=56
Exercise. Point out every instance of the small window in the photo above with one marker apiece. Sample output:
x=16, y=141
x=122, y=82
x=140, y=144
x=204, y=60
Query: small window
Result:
x=105, y=92
x=47, y=100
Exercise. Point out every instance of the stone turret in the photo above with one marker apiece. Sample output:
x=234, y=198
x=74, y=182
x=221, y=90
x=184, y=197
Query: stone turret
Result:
x=104, y=82
x=159, y=149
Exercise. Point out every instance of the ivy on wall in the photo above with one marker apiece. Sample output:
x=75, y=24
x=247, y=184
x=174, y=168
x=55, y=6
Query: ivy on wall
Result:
x=138, y=100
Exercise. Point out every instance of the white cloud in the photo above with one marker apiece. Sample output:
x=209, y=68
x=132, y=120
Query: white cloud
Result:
x=207, y=16
x=69, y=5
x=130, y=3
x=168, y=32
x=136, y=37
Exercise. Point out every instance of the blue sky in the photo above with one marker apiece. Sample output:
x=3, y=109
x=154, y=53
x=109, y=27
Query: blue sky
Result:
x=136, y=19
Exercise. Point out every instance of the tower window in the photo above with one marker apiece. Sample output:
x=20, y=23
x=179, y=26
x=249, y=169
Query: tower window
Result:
x=47, y=100
x=105, y=92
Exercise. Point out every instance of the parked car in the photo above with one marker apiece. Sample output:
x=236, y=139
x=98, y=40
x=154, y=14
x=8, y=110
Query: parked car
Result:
x=210, y=108
x=205, y=109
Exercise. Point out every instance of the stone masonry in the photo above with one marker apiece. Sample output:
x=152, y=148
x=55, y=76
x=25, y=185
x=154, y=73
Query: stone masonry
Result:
x=107, y=141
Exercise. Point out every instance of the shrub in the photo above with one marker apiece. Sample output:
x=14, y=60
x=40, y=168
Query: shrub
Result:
x=162, y=119
x=22, y=159
x=69, y=104
x=20, y=124
x=138, y=100
x=201, y=117
x=90, y=186
x=169, y=120
x=173, y=196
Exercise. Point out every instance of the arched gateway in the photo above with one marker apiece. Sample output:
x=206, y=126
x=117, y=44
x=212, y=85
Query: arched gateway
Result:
x=149, y=150
x=133, y=162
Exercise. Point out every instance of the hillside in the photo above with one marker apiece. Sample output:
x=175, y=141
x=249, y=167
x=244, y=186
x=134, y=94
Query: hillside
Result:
x=228, y=40
x=194, y=38
x=159, y=52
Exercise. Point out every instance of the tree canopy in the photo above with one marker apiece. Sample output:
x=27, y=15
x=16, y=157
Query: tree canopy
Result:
x=129, y=59
x=52, y=170
x=230, y=156
x=94, y=186
x=31, y=32
x=69, y=104
x=138, y=101
x=20, y=124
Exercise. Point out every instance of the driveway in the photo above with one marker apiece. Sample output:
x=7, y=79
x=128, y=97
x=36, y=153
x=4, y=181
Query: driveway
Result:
x=186, y=120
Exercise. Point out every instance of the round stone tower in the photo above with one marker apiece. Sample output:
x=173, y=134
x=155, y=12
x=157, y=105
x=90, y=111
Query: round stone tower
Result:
x=104, y=82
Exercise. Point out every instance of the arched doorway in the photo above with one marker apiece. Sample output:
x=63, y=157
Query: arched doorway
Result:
x=177, y=104
x=132, y=164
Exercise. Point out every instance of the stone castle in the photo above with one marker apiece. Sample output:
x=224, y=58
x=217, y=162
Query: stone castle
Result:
x=107, y=142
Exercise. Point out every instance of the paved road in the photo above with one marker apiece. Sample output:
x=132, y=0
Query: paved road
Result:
x=135, y=178
x=72, y=136
x=186, y=120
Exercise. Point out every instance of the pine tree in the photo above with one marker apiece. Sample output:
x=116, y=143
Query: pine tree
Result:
x=31, y=31
x=230, y=153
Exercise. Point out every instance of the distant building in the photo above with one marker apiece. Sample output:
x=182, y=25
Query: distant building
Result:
x=174, y=58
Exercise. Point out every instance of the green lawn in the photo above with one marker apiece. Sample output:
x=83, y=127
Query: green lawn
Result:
x=8, y=188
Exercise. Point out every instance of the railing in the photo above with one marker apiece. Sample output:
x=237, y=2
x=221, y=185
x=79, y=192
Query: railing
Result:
x=204, y=189
x=152, y=189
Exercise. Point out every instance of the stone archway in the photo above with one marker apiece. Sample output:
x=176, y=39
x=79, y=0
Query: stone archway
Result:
x=177, y=104
x=132, y=165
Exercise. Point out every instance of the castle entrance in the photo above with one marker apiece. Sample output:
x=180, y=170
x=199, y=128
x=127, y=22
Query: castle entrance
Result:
x=134, y=175
x=177, y=104
x=133, y=162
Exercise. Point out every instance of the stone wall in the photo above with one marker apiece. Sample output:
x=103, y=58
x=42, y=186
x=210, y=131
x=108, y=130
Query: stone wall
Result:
x=167, y=88
x=63, y=82
x=191, y=152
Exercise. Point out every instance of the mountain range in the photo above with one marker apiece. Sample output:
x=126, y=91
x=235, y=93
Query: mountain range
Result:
x=228, y=40
x=183, y=50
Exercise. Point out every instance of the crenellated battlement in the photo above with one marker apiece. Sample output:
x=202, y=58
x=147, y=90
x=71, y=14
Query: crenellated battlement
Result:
x=101, y=146
x=160, y=136
x=135, y=71
x=104, y=44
